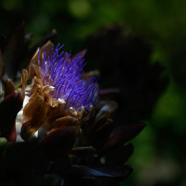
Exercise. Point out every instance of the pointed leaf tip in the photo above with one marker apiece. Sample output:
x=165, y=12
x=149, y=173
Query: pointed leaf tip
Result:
x=123, y=134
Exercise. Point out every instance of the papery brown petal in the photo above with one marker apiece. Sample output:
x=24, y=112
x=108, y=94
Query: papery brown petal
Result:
x=9, y=88
x=47, y=46
x=9, y=108
x=59, y=142
x=48, y=98
x=37, y=71
x=47, y=89
x=123, y=134
x=55, y=112
x=83, y=151
x=73, y=113
x=34, y=87
x=32, y=67
x=57, y=119
x=34, y=113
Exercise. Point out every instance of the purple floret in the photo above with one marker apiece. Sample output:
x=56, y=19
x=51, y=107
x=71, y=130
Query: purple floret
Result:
x=66, y=76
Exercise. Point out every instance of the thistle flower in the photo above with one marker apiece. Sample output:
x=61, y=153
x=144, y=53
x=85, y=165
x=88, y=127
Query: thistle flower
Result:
x=58, y=94
x=63, y=78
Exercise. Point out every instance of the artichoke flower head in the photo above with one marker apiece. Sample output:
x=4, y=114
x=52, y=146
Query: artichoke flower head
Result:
x=59, y=96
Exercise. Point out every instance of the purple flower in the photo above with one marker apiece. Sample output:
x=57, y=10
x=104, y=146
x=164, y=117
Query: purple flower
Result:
x=59, y=95
x=65, y=76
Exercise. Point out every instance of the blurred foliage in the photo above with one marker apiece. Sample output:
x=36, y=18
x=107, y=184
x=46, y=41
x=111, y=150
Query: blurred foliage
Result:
x=159, y=148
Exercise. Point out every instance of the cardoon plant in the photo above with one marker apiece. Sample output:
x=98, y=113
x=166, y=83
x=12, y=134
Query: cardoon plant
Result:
x=69, y=137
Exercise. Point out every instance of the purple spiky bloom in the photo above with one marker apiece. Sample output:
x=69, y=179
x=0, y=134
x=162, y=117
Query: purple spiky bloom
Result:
x=65, y=76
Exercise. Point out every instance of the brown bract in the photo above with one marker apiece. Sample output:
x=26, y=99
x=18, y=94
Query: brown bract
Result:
x=35, y=113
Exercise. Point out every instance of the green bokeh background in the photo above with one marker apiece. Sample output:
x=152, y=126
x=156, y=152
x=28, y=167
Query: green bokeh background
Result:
x=159, y=154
